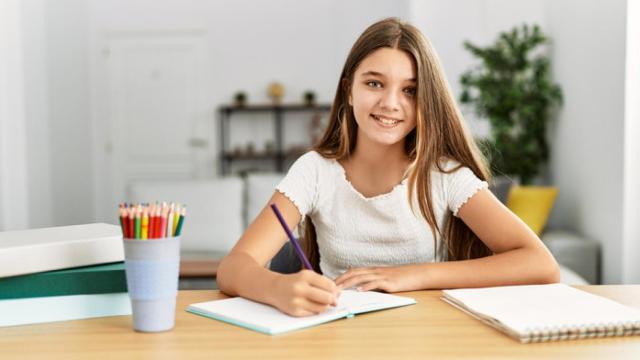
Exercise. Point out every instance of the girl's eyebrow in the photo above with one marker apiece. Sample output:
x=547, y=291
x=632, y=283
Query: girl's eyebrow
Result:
x=375, y=73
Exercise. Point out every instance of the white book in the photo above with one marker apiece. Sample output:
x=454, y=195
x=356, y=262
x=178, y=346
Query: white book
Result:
x=269, y=320
x=37, y=250
x=534, y=313
x=61, y=308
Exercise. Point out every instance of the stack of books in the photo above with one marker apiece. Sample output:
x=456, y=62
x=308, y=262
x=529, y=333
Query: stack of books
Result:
x=62, y=273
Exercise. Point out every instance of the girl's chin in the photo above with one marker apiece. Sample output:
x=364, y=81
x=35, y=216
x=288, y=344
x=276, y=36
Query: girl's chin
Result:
x=386, y=139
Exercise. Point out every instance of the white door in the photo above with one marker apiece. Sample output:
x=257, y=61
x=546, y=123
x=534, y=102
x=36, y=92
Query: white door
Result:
x=154, y=102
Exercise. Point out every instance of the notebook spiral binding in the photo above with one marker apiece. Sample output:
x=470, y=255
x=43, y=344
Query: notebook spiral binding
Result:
x=581, y=331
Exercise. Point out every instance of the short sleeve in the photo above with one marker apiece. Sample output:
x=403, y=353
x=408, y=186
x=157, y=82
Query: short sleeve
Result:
x=300, y=185
x=460, y=186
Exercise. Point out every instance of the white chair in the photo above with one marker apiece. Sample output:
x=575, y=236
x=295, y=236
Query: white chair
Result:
x=214, y=210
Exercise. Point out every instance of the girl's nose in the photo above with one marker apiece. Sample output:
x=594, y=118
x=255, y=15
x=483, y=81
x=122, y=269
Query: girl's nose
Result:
x=390, y=100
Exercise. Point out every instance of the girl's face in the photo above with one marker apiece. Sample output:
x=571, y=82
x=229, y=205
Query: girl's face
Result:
x=383, y=96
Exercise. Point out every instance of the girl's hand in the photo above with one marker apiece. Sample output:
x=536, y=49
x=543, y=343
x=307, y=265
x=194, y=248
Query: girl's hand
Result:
x=388, y=279
x=304, y=293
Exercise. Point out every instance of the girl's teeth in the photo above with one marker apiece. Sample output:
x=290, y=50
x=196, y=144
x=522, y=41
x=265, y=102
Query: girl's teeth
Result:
x=386, y=121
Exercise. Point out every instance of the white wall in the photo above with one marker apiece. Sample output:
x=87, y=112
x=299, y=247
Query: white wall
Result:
x=69, y=114
x=631, y=227
x=587, y=161
x=36, y=98
x=14, y=199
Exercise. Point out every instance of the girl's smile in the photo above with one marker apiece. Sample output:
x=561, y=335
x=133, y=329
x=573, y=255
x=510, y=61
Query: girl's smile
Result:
x=386, y=121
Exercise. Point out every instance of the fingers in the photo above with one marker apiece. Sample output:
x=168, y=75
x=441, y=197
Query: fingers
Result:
x=321, y=282
x=373, y=285
x=304, y=307
x=357, y=281
x=353, y=272
x=321, y=296
x=356, y=277
x=306, y=293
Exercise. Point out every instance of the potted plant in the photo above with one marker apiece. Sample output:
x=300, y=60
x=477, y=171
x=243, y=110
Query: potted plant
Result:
x=240, y=98
x=512, y=89
x=309, y=97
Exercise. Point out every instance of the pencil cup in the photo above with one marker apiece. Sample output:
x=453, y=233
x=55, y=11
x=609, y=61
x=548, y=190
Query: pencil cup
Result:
x=152, y=281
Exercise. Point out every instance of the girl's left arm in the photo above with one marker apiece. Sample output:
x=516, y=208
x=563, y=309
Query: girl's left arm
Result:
x=519, y=257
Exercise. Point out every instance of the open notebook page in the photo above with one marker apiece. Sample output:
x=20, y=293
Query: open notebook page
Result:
x=356, y=302
x=269, y=320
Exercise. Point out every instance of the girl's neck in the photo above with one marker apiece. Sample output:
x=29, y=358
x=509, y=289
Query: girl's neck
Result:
x=373, y=169
x=380, y=164
x=376, y=156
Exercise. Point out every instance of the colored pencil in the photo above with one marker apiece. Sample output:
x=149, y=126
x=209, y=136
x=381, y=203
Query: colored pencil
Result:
x=137, y=221
x=183, y=213
x=293, y=240
x=163, y=226
x=123, y=221
x=132, y=223
x=169, y=232
x=144, y=232
x=176, y=218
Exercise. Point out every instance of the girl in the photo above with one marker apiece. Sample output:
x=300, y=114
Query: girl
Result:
x=394, y=196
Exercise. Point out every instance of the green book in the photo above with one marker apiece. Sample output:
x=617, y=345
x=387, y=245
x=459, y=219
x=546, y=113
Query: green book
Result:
x=86, y=280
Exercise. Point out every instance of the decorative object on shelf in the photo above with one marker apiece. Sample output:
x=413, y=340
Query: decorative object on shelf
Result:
x=269, y=147
x=240, y=99
x=251, y=149
x=513, y=90
x=275, y=92
x=309, y=97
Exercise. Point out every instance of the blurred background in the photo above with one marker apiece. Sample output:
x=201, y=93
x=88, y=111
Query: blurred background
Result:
x=109, y=101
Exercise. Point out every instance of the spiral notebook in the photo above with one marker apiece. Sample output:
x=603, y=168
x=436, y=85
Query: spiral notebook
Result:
x=535, y=313
x=269, y=320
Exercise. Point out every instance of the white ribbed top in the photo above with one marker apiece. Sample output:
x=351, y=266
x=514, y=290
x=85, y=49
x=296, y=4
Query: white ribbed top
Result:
x=356, y=231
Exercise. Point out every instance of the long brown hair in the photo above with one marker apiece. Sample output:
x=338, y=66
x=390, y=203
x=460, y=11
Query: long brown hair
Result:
x=440, y=134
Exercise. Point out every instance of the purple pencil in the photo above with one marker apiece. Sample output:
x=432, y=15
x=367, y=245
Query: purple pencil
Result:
x=293, y=240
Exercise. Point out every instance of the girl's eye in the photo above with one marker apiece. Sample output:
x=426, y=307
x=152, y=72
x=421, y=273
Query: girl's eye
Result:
x=410, y=91
x=374, y=84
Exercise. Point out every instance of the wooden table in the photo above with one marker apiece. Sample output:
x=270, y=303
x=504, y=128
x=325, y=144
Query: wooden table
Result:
x=429, y=329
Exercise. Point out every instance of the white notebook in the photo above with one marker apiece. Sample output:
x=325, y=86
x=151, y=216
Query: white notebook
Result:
x=269, y=320
x=534, y=313
x=31, y=251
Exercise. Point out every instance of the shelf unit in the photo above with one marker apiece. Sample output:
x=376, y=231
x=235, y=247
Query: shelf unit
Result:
x=278, y=155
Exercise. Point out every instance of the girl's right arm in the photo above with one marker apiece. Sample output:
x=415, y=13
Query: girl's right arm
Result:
x=243, y=271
